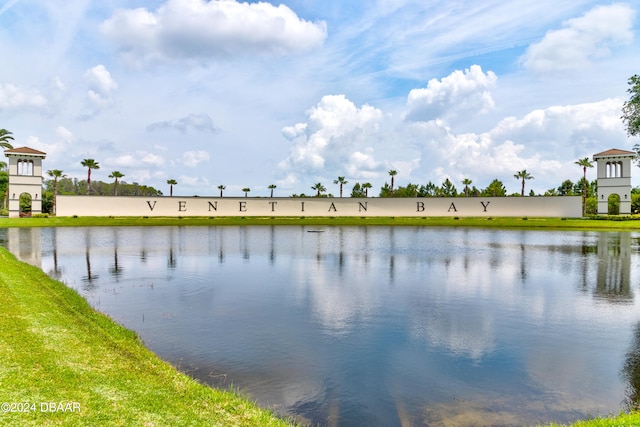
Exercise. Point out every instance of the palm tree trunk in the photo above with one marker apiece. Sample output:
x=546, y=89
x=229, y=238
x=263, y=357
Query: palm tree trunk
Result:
x=55, y=195
x=584, y=191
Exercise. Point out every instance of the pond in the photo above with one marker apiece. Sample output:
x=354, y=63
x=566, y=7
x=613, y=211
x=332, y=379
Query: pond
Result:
x=386, y=326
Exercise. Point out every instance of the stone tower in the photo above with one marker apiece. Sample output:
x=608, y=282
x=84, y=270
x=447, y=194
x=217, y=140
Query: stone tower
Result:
x=25, y=176
x=614, y=177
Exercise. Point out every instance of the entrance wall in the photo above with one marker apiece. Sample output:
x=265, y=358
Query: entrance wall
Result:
x=539, y=206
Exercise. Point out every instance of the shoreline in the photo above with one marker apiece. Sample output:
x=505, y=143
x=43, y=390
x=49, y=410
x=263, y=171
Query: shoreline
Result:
x=64, y=362
x=626, y=223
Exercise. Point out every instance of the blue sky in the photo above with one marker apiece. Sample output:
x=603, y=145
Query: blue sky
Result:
x=251, y=94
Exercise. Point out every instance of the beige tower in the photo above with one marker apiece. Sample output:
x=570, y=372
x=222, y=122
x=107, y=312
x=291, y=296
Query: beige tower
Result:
x=25, y=176
x=614, y=177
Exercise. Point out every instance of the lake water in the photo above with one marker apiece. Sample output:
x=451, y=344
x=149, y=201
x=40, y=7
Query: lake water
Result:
x=366, y=326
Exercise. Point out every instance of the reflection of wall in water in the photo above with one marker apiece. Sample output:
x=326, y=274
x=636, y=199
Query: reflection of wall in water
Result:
x=24, y=243
x=614, y=267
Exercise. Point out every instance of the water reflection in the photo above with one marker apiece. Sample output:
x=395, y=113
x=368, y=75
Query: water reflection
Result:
x=373, y=326
x=614, y=267
x=24, y=243
x=631, y=371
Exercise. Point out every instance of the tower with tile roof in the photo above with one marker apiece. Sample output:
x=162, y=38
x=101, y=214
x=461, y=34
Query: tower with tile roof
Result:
x=25, y=176
x=614, y=177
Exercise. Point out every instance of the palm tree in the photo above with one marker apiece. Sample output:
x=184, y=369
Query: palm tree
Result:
x=4, y=179
x=5, y=136
x=585, y=163
x=221, y=187
x=523, y=175
x=366, y=186
x=89, y=164
x=246, y=191
x=319, y=188
x=171, y=183
x=116, y=175
x=55, y=174
x=341, y=181
x=272, y=187
x=392, y=173
x=467, y=183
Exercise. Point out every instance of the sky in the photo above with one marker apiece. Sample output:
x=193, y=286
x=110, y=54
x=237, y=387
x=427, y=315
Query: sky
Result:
x=252, y=94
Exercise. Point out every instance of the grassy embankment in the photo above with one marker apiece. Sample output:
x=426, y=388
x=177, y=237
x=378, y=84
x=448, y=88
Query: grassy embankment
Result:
x=54, y=348
x=604, y=223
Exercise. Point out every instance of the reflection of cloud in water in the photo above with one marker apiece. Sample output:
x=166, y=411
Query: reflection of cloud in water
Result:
x=469, y=335
x=337, y=305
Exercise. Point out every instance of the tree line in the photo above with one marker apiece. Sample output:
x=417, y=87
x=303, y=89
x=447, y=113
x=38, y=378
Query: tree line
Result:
x=61, y=184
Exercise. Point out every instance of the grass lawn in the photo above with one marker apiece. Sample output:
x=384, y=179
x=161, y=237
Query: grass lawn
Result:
x=624, y=420
x=63, y=363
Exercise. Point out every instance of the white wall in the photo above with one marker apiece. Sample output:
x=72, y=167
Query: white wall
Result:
x=569, y=206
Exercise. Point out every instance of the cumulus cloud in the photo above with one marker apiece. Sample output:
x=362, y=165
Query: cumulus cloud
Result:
x=582, y=40
x=546, y=142
x=206, y=29
x=199, y=122
x=460, y=93
x=64, y=134
x=339, y=138
x=335, y=131
x=192, y=158
x=13, y=97
x=100, y=89
x=139, y=159
x=192, y=181
x=101, y=85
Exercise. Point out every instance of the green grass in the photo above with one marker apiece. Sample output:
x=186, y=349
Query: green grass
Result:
x=605, y=223
x=623, y=420
x=55, y=348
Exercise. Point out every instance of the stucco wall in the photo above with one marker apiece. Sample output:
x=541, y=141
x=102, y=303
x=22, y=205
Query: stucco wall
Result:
x=277, y=206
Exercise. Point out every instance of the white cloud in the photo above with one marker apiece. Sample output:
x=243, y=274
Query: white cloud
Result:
x=13, y=97
x=567, y=128
x=546, y=142
x=582, y=40
x=64, y=134
x=336, y=129
x=101, y=85
x=199, y=122
x=192, y=158
x=364, y=165
x=206, y=29
x=137, y=160
x=100, y=89
x=457, y=94
x=151, y=159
